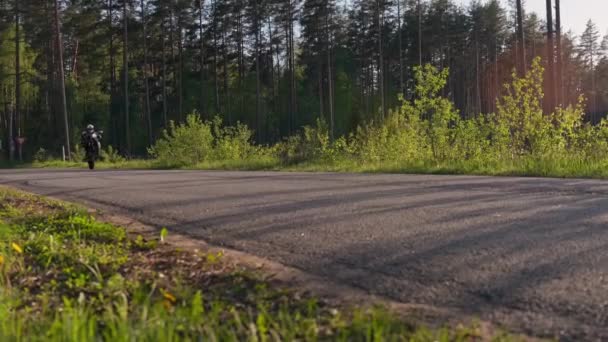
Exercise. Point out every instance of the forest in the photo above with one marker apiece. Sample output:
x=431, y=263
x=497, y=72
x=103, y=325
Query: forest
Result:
x=132, y=67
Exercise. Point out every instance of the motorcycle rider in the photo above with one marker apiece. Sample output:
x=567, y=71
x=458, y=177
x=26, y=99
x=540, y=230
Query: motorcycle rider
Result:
x=89, y=134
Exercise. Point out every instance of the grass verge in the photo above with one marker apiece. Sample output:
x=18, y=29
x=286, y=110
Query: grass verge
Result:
x=65, y=276
x=525, y=167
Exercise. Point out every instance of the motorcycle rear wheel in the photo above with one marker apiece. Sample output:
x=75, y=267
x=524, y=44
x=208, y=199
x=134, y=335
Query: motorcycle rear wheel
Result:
x=91, y=164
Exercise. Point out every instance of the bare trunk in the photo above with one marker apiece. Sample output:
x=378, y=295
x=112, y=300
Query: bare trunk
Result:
x=18, y=77
x=216, y=84
x=419, y=33
x=400, y=36
x=75, y=60
x=381, y=59
x=521, y=45
x=112, y=72
x=560, y=72
x=125, y=56
x=550, y=59
x=271, y=56
x=11, y=134
x=477, y=75
x=496, y=77
x=180, y=85
x=62, y=79
x=257, y=72
x=145, y=75
x=288, y=65
x=321, y=99
x=226, y=103
x=164, y=67
x=330, y=78
x=172, y=48
x=294, y=94
x=202, y=58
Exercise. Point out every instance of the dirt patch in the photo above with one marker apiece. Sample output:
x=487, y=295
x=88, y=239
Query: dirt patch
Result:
x=30, y=204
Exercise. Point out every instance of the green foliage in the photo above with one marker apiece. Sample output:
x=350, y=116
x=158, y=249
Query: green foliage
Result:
x=111, y=155
x=313, y=144
x=418, y=130
x=78, y=153
x=199, y=141
x=7, y=69
x=424, y=134
x=163, y=234
x=184, y=144
x=427, y=134
x=41, y=156
x=231, y=143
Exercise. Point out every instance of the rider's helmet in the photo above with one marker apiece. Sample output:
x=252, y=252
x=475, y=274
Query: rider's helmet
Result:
x=90, y=128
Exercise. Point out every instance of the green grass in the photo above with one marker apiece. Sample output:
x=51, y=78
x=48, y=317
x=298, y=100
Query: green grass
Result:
x=558, y=167
x=64, y=276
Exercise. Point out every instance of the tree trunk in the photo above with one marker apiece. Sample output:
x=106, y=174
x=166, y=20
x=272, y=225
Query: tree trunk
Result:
x=257, y=72
x=164, y=68
x=202, y=58
x=226, y=104
x=560, y=72
x=48, y=87
x=75, y=61
x=271, y=56
x=330, y=78
x=321, y=99
x=18, y=78
x=145, y=74
x=215, y=63
x=113, y=118
x=400, y=37
x=180, y=85
x=550, y=59
x=521, y=51
x=419, y=33
x=125, y=66
x=11, y=134
x=288, y=65
x=292, y=62
x=477, y=75
x=381, y=59
x=62, y=80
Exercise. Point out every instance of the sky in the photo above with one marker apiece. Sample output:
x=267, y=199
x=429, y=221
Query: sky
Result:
x=575, y=13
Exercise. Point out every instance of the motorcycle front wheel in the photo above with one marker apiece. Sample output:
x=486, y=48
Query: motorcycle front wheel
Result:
x=91, y=164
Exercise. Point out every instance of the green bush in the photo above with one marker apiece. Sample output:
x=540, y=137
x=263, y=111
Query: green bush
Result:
x=78, y=154
x=199, y=141
x=184, y=144
x=421, y=134
x=111, y=155
x=231, y=143
x=41, y=156
x=312, y=144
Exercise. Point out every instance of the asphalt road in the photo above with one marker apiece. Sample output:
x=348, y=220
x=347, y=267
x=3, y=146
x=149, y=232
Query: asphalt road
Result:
x=529, y=253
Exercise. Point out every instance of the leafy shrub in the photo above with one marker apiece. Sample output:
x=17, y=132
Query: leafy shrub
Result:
x=199, y=141
x=78, y=154
x=231, y=143
x=41, y=156
x=184, y=144
x=313, y=144
x=419, y=130
x=111, y=155
x=422, y=133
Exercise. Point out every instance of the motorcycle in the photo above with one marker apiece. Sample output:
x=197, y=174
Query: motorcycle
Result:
x=92, y=147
